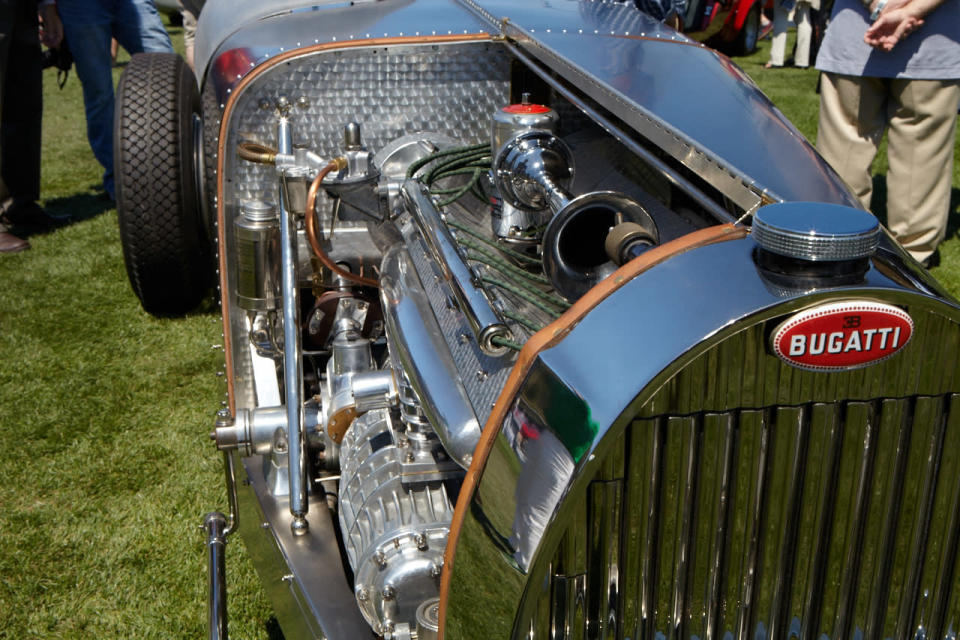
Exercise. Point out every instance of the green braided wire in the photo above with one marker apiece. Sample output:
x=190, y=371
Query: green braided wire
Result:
x=510, y=252
x=503, y=342
x=534, y=300
x=463, y=190
x=418, y=164
x=523, y=320
x=443, y=191
x=472, y=159
x=453, y=162
x=488, y=258
x=525, y=286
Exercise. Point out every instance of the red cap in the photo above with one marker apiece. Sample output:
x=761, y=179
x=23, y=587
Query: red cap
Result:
x=526, y=108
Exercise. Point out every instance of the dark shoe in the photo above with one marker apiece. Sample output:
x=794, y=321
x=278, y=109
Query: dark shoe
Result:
x=10, y=243
x=31, y=217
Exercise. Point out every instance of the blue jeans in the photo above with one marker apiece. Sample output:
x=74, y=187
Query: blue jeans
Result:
x=88, y=26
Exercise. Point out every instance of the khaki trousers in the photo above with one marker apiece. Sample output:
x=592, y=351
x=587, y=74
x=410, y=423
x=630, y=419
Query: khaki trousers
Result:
x=920, y=118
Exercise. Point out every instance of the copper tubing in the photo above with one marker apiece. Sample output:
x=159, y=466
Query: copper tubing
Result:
x=311, y=227
x=258, y=153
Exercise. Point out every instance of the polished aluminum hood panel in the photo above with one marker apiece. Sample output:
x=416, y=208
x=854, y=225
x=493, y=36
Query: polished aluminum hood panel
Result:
x=678, y=94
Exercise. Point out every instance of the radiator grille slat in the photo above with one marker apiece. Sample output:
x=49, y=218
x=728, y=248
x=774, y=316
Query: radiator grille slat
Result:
x=817, y=514
x=833, y=520
x=941, y=568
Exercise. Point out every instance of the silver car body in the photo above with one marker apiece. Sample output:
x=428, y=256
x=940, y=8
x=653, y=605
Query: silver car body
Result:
x=645, y=464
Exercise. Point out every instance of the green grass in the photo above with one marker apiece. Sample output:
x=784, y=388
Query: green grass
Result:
x=104, y=415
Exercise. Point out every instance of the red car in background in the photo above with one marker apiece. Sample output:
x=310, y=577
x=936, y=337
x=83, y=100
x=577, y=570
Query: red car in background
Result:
x=732, y=26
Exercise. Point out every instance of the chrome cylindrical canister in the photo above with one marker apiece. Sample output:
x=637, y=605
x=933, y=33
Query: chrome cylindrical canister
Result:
x=257, y=230
x=512, y=120
x=514, y=225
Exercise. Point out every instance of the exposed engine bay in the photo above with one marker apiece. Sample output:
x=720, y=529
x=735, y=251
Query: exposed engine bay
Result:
x=474, y=247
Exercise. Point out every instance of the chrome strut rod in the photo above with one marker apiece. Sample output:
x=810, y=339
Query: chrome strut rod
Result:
x=292, y=371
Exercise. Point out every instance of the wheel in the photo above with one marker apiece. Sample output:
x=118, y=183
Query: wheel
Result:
x=165, y=247
x=746, y=41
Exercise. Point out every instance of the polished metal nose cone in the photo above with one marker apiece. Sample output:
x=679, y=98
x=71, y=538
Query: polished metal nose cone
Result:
x=815, y=231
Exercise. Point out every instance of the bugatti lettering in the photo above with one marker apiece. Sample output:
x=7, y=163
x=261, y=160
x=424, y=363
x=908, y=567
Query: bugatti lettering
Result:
x=840, y=342
x=829, y=338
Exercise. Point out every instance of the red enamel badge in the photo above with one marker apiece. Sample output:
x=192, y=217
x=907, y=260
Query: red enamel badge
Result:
x=842, y=335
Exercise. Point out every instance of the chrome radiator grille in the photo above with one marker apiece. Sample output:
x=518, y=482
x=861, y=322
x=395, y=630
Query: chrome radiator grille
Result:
x=828, y=519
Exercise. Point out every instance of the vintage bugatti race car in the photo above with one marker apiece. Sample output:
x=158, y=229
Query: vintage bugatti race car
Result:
x=522, y=343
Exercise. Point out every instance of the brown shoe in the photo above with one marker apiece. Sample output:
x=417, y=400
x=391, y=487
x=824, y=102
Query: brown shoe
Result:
x=10, y=243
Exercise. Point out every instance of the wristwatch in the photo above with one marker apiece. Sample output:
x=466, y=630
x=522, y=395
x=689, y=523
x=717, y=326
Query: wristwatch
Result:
x=876, y=12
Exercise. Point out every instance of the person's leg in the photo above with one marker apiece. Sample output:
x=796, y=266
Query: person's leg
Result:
x=189, y=35
x=90, y=45
x=138, y=27
x=22, y=109
x=851, y=124
x=801, y=16
x=9, y=243
x=923, y=123
x=778, y=45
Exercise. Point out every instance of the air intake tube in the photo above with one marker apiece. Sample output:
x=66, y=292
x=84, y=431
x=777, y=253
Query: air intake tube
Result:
x=533, y=172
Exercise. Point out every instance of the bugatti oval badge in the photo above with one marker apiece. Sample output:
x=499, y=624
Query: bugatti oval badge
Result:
x=842, y=335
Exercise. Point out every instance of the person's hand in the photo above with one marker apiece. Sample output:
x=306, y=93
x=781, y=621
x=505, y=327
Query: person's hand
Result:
x=890, y=28
x=891, y=5
x=51, y=29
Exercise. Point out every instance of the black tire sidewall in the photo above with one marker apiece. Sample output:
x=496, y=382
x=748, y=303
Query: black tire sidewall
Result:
x=165, y=248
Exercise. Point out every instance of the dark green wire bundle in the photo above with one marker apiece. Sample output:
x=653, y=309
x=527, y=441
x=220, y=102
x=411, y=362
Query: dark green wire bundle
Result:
x=474, y=161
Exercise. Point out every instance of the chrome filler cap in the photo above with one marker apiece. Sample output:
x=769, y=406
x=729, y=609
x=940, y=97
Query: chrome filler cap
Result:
x=816, y=231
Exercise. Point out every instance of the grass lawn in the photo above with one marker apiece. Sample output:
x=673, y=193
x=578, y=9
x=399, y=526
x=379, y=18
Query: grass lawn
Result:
x=105, y=411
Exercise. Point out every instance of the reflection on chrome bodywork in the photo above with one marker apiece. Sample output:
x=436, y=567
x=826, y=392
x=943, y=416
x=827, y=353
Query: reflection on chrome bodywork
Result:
x=725, y=493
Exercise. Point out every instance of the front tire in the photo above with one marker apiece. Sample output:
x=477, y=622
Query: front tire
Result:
x=164, y=245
